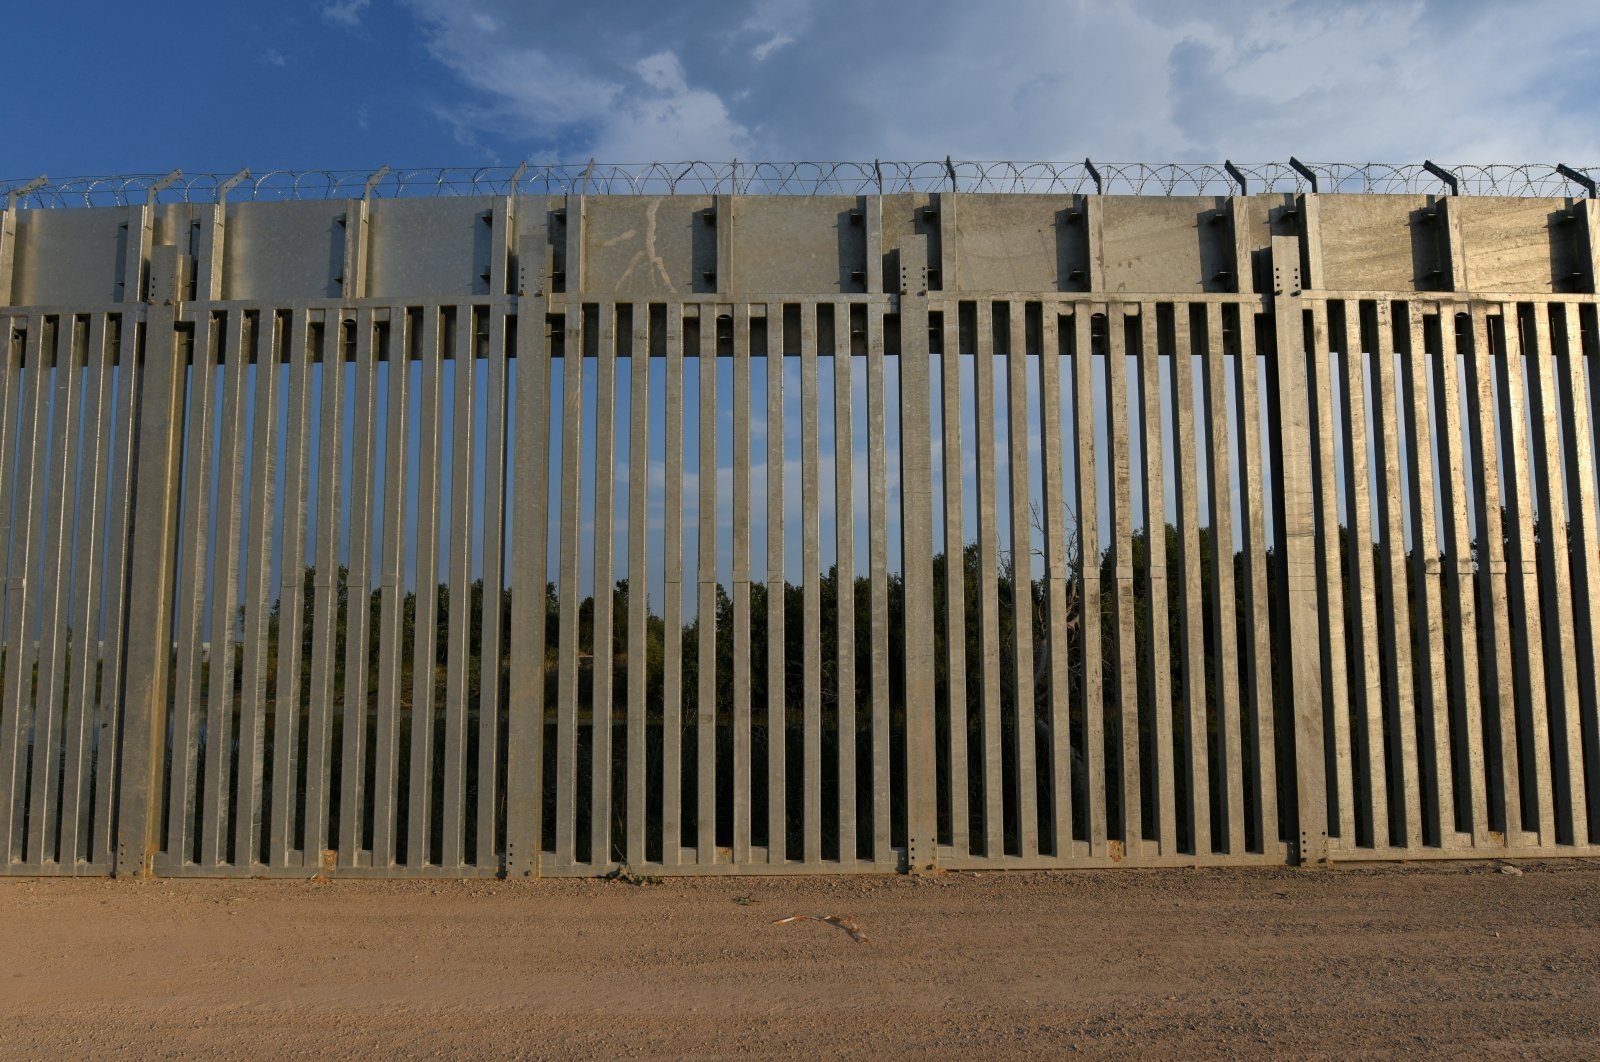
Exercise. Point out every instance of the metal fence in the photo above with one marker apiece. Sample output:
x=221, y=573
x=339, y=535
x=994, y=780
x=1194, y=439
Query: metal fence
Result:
x=538, y=581
x=810, y=178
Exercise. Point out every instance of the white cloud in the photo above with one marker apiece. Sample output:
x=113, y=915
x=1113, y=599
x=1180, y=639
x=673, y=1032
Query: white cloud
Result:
x=663, y=73
x=774, y=24
x=346, y=13
x=533, y=94
x=670, y=121
x=273, y=57
x=1151, y=80
x=770, y=45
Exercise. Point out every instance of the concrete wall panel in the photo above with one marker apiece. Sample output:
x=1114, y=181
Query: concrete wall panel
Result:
x=649, y=245
x=285, y=251
x=429, y=246
x=1518, y=245
x=1375, y=243
x=1022, y=243
x=1177, y=245
x=664, y=246
x=68, y=256
x=798, y=244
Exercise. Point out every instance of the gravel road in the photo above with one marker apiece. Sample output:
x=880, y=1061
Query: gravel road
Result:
x=1445, y=960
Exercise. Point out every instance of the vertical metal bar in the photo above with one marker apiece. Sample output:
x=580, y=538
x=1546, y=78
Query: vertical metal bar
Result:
x=119, y=552
x=1460, y=568
x=988, y=581
x=1584, y=542
x=189, y=607
x=1025, y=788
x=463, y=428
x=425, y=650
x=490, y=651
x=1258, y=644
x=741, y=582
x=325, y=606
x=1191, y=602
x=672, y=599
x=568, y=644
x=955, y=615
x=392, y=595
x=525, y=708
x=1225, y=623
x=602, y=707
x=1026, y=792
x=1094, y=795
x=1330, y=574
x=16, y=519
x=1119, y=440
x=1425, y=570
x=89, y=584
x=568, y=650
x=1494, y=609
x=291, y=597
x=249, y=781
x=845, y=572
x=918, y=625
x=639, y=576
x=55, y=596
x=878, y=522
x=1524, y=578
x=777, y=698
x=1555, y=553
x=119, y=514
x=147, y=667
x=1302, y=618
x=26, y=509
x=1058, y=574
x=811, y=574
x=13, y=334
x=1155, y=529
x=1402, y=692
x=358, y=619
x=1364, y=578
x=705, y=733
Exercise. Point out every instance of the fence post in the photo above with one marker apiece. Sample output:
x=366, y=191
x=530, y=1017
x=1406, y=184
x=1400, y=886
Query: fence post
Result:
x=1298, y=542
x=530, y=471
x=154, y=539
x=916, y=462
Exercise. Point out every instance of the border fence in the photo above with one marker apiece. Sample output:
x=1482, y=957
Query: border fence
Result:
x=547, y=534
x=812, y=178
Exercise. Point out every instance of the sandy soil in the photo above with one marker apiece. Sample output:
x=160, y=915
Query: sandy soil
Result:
x=1453, y=960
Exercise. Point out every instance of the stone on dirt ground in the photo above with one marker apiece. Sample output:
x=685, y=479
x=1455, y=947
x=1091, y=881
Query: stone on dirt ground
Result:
x=1456, y=959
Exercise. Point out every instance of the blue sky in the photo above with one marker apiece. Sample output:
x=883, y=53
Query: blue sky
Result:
x=359, y=83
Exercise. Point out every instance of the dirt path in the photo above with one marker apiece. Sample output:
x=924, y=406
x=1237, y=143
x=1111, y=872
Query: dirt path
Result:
x=1450, y=960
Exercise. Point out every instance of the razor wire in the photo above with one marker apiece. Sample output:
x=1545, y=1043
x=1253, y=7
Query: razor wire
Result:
x=1525, y=180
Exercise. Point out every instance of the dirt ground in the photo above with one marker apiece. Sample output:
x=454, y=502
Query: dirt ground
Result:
x=1450, y=960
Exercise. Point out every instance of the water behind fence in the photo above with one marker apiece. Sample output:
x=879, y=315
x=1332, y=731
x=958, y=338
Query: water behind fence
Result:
x=530, y=580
